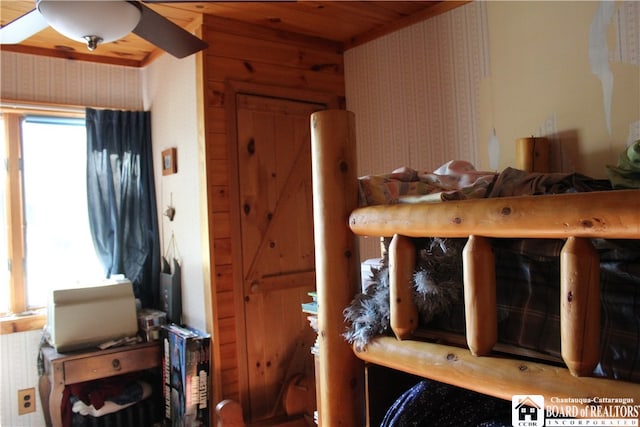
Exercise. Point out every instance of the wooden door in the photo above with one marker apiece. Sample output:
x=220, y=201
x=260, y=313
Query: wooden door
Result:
x=278, y=264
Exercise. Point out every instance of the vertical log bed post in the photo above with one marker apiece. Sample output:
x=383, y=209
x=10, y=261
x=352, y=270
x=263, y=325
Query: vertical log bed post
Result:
x=335, y=195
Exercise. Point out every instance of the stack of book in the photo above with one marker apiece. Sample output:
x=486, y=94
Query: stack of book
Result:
x=311, y=308
x=185, y=376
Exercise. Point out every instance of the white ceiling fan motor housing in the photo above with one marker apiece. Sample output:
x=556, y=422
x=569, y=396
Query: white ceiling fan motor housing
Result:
x=98, y=20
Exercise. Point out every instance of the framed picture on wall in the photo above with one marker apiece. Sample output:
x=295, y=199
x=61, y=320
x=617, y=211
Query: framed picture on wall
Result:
x=169, y=161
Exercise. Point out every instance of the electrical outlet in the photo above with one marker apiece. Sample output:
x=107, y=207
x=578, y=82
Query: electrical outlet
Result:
x=26, y=401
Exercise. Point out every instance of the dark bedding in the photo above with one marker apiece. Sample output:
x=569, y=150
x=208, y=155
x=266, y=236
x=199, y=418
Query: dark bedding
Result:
x=430, y=403
x=528, y=290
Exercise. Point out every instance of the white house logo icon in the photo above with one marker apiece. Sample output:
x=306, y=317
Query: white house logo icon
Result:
x=527, y=410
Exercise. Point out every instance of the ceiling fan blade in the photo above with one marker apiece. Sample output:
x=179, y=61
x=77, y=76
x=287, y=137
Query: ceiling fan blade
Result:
x=22, y=28
x=168, y=36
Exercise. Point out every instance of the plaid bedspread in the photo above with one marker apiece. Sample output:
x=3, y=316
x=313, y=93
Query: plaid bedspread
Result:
x=528, y=300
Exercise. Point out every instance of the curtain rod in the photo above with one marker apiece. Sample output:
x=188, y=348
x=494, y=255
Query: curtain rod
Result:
x=41, y=107
x=44, y=107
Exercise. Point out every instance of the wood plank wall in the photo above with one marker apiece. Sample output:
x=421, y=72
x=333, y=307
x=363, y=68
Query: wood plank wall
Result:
x=240, y=52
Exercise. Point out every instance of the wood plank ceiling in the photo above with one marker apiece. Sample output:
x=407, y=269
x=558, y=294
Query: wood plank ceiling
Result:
x=347, y=22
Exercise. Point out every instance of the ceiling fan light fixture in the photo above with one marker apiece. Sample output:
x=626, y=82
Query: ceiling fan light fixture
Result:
x=91, y=21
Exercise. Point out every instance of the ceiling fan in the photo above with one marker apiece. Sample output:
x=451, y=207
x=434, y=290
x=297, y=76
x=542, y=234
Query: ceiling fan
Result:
x=103, y=21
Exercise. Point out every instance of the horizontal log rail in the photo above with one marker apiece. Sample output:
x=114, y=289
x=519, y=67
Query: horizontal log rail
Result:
x=494, y=375
x=610, y=214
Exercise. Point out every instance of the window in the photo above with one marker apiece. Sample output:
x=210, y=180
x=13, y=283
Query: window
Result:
x=47, y=241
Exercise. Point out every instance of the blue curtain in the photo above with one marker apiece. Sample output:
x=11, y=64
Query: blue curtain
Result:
x=122, y=200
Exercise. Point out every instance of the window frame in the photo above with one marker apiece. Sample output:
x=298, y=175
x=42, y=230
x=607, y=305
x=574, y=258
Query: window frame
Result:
x=19, y=319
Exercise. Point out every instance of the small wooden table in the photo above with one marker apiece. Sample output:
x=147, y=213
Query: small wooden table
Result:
x=92, y=364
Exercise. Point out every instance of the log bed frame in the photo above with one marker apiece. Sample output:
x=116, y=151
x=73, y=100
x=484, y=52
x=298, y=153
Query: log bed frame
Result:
x=338, y=221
